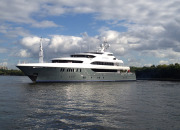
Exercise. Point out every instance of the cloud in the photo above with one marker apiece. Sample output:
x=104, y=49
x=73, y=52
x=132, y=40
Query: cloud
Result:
x=58, y=45
x=64, y=43
x=13, y=32
x=54, y=46
x=44, y=24
x=71, y=6
x=160, y=53
x=33, y=43
x=140, y=12
x=22, y=11
x=23, y=53
x=122, y=44
x=162, y=62
x=17, y=10
x=153, y=27
x=3, y=64
x=3, y=50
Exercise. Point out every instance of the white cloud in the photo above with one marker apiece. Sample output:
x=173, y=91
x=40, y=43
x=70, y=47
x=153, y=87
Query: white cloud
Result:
x=33, y=43
x=110, y=35
x=55, y=46
x=58, y=45
x=17, y=10
x=22, y=11
x=64, y=43
x=162, y=62
x=23, y=53
x=169, y=54
x=153, y=27
x=122, y=44
x=44, y=24
x=142, y=12
x=13, y=32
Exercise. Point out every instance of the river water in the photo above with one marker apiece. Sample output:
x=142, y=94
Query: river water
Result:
x=97, y=105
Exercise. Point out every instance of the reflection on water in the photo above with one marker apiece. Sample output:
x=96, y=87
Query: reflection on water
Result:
x=100, y=105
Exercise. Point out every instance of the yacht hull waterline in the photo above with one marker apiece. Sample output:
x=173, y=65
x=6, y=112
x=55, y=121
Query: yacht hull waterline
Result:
x=80, y=67
x=59, y=74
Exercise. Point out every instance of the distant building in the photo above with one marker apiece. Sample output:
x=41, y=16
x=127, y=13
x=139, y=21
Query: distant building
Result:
x=3, y=67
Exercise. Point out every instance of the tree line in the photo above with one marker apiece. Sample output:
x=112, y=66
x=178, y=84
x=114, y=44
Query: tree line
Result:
x=11, y=72
x=161, y=72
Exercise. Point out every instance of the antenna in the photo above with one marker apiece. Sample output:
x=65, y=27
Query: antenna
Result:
x=105, y=40
x=41, y=52
x=104, y=46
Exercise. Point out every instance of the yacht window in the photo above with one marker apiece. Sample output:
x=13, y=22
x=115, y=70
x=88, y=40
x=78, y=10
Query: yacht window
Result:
x=103, y=63
x=103, y=70
x=83, y=56
x=66, y=61
x=110, y=54
x=62, y=70
x=70, y=70
x=116, y=64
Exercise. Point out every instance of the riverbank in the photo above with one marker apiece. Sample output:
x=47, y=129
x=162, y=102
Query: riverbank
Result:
x=159, y=79
x=11, y=72
x=160, y=72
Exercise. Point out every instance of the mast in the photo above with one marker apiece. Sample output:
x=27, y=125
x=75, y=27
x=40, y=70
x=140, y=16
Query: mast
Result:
x=41, y=52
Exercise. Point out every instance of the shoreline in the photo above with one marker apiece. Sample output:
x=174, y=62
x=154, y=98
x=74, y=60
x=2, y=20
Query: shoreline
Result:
x=159, y=79
x=153, y=79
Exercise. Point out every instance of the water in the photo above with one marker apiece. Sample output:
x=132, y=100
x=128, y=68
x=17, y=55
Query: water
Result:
x=105, y=105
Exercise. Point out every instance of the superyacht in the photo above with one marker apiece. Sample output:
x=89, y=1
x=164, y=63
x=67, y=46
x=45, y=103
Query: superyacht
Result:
x=80, y=67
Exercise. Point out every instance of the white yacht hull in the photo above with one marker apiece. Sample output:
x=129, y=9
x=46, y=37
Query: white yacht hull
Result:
x=67, y=74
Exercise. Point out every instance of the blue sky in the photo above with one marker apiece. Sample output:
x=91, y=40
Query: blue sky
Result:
x=142, y=32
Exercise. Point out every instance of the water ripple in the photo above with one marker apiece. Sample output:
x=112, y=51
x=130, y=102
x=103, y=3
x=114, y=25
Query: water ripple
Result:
x=121, y=105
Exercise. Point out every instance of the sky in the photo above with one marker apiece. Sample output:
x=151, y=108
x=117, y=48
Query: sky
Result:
x=141, y=32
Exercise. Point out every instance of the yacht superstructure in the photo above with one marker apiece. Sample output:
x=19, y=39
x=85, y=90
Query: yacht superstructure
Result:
x=80, y=67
